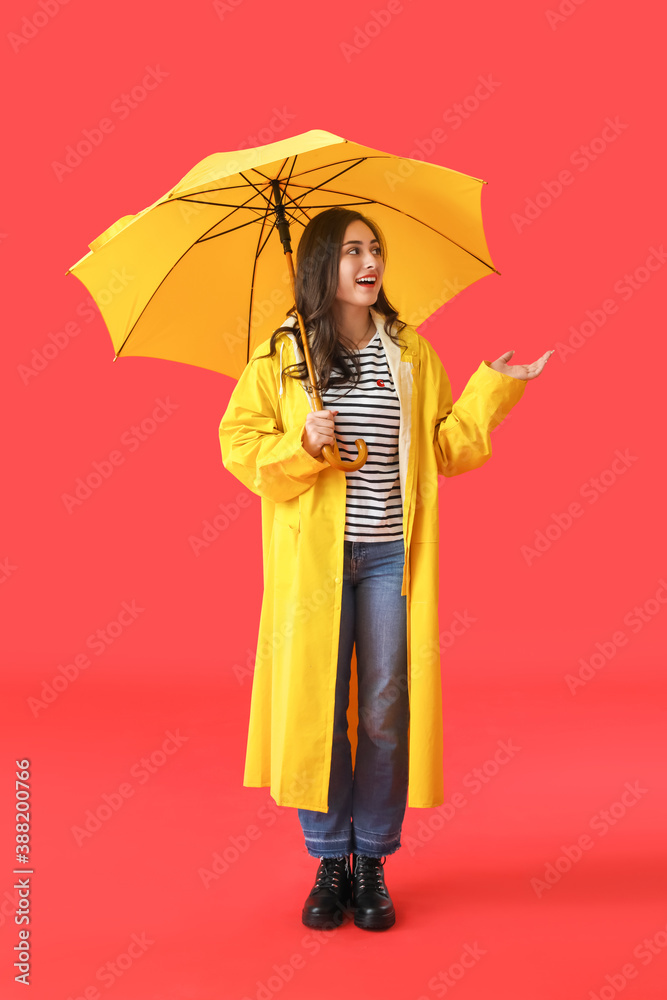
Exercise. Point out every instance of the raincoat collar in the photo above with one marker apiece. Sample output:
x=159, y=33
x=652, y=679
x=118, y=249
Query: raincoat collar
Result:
x=395, y=353
x=409, y=348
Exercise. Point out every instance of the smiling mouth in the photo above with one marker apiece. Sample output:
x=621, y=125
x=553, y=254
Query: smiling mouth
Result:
x=367, y=282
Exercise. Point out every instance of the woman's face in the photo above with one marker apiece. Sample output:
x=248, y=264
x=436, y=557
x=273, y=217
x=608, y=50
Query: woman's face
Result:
x=360, y=257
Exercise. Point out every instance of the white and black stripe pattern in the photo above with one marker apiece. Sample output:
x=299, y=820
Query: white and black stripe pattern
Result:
x=370, y=409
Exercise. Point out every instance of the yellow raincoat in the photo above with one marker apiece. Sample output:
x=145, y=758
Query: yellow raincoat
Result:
x=303, y=520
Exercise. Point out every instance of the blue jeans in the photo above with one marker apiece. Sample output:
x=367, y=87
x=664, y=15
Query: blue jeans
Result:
x=366, y=809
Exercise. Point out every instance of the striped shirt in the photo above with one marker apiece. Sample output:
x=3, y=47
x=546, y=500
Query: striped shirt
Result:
x=370, y=409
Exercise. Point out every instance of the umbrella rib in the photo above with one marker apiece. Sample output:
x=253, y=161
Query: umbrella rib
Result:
x=225, y=232
x=214, y=236
x=309, y=170
x=295, y=220
x=386, y=156
x=420, y=222
x=299, y=207
x=227, y=187
x=267, y=208
x=340, y=204
x=250, y=222
x=176, y=262
x=255, y=208
x=323, y=166
x=287, y=195
x=269, y=179
x=291, y=170
x=354, y=162
x=221, y=204
x=273, y=225
x=213, y=190
x=191, y=199
x=290, y=199
x=316, y=187
x=245, y=205
x=258, y=190
x=269, y=199
x=290, y=211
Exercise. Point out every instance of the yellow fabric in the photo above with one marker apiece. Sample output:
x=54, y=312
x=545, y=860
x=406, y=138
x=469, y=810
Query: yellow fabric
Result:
x=303, y=518
x=199, y=277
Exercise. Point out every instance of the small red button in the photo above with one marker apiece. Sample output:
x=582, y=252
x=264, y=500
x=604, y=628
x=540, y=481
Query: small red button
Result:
x=380, y=382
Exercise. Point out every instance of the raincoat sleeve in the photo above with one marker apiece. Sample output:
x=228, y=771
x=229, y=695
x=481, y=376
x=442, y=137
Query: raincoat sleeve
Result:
x=270, y=461
x=462, y=432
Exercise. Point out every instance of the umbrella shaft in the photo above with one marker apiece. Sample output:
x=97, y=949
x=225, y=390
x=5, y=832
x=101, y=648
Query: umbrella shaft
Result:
x=282, y=224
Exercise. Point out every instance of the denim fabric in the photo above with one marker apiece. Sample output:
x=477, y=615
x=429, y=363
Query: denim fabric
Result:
x=366, y=809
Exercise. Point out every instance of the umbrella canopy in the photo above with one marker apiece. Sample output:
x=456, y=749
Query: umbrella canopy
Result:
x=199, y=276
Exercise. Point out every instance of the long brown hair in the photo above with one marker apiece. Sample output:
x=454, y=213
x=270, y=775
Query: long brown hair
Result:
x=316, y=281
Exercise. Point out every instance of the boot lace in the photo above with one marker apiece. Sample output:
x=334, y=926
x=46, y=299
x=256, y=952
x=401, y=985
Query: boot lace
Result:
x=330, y=874
x=369, y=874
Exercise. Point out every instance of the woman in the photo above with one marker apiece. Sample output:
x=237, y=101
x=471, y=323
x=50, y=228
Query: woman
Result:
x=351, y=559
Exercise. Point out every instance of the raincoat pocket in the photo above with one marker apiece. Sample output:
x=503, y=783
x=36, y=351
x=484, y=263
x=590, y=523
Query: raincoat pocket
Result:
x=426, y=526
x=287, y=512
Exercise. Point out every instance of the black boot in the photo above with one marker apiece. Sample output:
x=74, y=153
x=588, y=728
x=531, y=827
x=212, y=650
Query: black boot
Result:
x=329, y=899
x=374, y=910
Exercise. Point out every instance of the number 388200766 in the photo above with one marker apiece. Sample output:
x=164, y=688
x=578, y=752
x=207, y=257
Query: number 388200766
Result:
x=22, y=807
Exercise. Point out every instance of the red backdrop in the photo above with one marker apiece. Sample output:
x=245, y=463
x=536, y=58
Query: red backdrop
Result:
x=128, y=643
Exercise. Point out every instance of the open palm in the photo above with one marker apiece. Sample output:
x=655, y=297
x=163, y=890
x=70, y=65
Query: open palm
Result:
x=523, y=372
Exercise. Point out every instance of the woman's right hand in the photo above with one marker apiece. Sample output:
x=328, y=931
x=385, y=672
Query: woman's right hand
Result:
x=319, y=431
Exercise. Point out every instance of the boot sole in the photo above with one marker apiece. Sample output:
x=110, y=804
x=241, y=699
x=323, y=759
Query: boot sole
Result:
x=370, y=923
x=324, y=922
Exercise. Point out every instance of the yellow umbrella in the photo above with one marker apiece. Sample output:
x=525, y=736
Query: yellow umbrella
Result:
x=198, y=276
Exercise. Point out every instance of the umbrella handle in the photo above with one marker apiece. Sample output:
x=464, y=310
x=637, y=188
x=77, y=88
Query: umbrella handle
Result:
x=338, y=463
x=316, y=402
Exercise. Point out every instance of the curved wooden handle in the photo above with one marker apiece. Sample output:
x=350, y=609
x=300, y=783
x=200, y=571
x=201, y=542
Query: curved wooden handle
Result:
x=338, y=463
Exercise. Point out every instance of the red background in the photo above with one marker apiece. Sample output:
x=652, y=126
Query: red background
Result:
x=181, y=666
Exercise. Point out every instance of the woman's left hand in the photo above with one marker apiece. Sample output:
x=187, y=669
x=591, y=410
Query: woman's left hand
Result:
x=523, y=372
